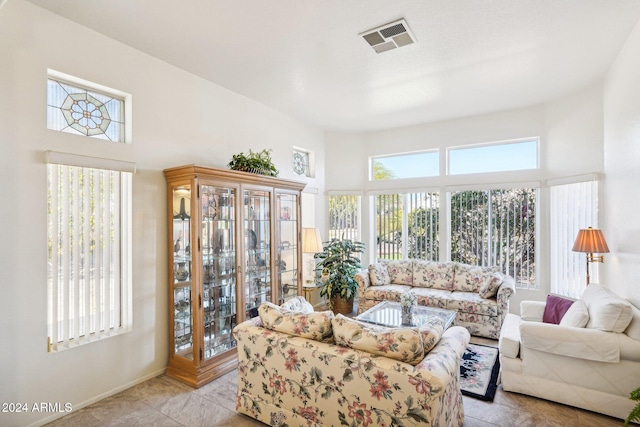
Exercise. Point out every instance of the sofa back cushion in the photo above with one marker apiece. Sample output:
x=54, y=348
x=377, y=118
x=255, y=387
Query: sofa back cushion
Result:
x=469, y=278
x=577, y=316
x=379, y=274
x=314, y=325
x=432, y=274
x=401, y=272
x=404, y=344
x=607, y=311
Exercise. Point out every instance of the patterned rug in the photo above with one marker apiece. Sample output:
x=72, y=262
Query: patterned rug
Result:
x=479, y=372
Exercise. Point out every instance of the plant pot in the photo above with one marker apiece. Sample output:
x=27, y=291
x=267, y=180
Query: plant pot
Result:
x=342, y=306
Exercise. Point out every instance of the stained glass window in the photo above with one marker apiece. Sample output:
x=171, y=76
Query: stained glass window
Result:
x=301, y=162
x=79, y=110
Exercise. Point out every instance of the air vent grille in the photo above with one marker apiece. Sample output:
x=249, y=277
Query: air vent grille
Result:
x=389, y=36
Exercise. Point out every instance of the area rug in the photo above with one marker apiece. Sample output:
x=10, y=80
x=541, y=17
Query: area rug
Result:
x=479, y=372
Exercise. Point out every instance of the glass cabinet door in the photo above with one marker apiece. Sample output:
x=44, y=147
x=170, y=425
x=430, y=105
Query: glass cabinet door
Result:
x=218, y=268
x=287, y=246
x=257, y=256
x=182, y=284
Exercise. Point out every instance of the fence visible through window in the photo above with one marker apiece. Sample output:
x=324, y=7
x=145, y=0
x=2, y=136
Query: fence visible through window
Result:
x=407, y=225
x=496, y=228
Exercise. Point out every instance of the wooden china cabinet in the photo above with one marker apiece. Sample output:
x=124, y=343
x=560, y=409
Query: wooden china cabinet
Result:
x=234, y=243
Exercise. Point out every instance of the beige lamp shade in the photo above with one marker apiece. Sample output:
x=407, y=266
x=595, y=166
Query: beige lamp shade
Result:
x=590, y=240
x=311, y=240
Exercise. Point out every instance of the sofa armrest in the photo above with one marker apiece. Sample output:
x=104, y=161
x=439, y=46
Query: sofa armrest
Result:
x=578, y=343
x=532, y=311
x=506, y=289
x=362, y=278
x=442, y=363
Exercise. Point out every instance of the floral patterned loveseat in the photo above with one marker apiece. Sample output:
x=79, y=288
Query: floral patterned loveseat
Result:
x=287, y=379
x=478, y=295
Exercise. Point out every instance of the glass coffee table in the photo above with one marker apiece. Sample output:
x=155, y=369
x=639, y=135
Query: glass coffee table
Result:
x=389, y=313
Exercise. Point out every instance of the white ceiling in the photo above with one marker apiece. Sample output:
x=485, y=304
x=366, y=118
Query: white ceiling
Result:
x=305, y=58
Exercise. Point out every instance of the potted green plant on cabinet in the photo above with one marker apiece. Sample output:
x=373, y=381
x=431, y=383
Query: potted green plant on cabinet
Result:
x=339, y=264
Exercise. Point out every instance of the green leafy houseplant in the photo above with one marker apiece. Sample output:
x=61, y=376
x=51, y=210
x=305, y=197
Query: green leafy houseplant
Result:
x=634, y=415
x=256, y=162
x=339, y=264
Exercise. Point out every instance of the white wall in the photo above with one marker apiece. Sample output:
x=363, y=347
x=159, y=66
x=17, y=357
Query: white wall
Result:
x=621, y=192
x=177, y=119
x=571, y=143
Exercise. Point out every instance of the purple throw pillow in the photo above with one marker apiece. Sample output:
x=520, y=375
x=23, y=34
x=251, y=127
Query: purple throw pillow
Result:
x=555, y=309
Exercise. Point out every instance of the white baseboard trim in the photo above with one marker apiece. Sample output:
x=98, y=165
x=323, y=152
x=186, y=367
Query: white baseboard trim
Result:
x=78, y=406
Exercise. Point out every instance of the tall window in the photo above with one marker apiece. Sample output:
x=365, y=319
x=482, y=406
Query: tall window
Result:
x=344, y=217
x=407, y=225
x=572, y=207
x=496, y=228
x=89, y=249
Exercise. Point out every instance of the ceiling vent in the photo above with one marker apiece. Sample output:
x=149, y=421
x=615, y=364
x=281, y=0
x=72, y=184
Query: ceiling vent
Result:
x=389, y=36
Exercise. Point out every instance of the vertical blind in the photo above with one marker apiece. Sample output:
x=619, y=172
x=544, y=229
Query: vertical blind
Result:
x=572, y=207
x=89, y=272
x=344, y=217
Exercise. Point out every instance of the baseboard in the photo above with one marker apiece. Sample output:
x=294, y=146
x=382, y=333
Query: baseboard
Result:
x=78, y=406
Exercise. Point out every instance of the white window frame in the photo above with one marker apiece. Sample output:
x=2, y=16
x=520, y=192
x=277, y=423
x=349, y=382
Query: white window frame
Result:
x=84, y=310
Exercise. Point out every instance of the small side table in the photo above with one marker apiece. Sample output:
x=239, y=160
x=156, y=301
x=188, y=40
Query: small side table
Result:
x=310, y=288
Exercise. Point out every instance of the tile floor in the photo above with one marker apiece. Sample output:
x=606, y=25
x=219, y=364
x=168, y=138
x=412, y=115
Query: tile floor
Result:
x=163, y=401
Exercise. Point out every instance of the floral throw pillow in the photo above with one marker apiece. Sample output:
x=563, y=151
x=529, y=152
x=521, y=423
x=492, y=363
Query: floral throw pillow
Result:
x=315, y=325
x=404, y=344
x=379, y=275
x=490, y=287
x=431, y=332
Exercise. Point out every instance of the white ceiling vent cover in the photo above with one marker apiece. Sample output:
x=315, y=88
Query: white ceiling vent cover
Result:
x=389, y=36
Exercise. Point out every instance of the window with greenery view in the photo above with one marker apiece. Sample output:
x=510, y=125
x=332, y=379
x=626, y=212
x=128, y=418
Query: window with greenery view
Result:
x=410, y=165
x=488, y=228
x=496, y=228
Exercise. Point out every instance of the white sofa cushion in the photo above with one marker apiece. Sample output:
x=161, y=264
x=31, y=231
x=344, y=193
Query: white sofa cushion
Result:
x=532, y=310
x=589, y=344
x=607, y=311
x=577, y=316
x=633, y=330
x=509, y=343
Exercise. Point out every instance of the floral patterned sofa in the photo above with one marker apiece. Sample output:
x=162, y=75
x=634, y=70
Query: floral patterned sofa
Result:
x=291, y=373
x=478, y=295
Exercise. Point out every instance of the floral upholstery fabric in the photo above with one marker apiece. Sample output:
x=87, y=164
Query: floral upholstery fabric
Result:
x=379, y=274
x=315, y=325
x=469, y=278
x=431, y=332
x=471, y=302
x=404, y=344
x=489, y=311
x=490, y=287
x=386, y=292
x=431, y=274
x=401, y=272
x=437, y=298
x=293, y=381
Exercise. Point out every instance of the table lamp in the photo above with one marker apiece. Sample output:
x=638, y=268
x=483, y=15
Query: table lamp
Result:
x=591, y=240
